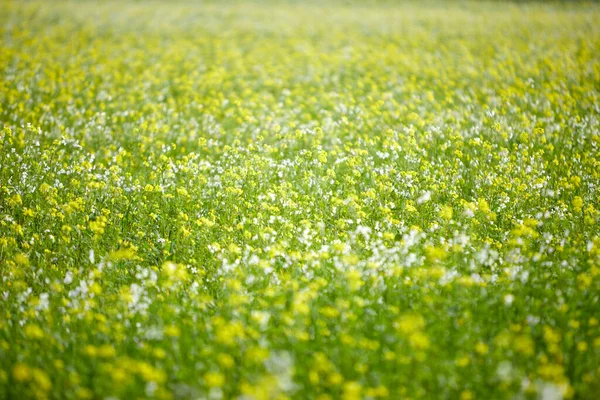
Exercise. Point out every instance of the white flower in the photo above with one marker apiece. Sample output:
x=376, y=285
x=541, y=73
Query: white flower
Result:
x=424, y=198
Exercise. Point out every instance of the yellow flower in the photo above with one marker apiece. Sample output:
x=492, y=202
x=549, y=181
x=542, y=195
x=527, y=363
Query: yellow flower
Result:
x=15, y=200
x=225, y=360
x=34, y=332
x=467, y=395
x=577, y=204
x=214, y=379
x=463, y=361
x=482, y=348
x=352, y=391
x=354, y=278
x=21, y=372
x=446, y=212
x=172, y=331
x=21, y=259
x=410, y=323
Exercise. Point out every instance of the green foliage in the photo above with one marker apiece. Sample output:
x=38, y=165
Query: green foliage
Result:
x=268, y=201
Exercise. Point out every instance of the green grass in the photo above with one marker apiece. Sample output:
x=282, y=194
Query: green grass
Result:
x=275, y=200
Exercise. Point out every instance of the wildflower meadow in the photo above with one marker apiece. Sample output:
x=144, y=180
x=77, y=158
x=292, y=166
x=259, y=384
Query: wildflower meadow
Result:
x=299, y=200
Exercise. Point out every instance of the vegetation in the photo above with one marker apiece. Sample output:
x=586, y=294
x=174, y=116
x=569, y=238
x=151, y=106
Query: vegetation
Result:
x=269, y=201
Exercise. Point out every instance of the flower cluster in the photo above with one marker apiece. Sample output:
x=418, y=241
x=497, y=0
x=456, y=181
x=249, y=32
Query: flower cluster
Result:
x=270, y=201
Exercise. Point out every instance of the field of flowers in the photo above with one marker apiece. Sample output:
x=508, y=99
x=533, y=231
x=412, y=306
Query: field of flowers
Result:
x=271, y=201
